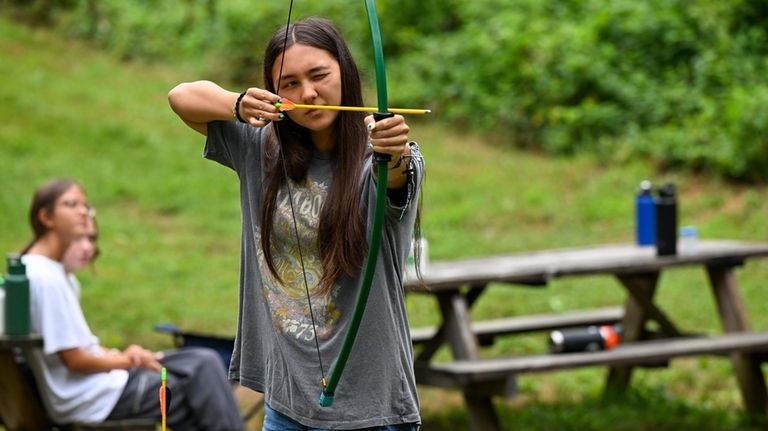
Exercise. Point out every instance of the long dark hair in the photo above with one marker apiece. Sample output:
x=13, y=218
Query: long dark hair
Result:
x=342, y=242
x=45, y=199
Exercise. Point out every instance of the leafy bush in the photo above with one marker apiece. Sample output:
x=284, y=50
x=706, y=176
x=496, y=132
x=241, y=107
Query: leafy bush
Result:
x=681, y=82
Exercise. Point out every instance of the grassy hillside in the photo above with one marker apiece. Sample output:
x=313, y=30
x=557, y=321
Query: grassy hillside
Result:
x=170, y=229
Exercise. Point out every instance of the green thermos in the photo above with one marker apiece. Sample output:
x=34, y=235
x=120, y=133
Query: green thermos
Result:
x=16, y=297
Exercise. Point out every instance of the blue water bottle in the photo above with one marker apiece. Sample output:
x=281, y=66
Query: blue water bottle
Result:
x=645, y=215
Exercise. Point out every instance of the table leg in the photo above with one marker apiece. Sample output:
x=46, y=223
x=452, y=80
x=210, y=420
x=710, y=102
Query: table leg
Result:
x=733, y=317
x=464, y=345
x=641, y=289
x=457, y=325
x=431, y=347
x=482, y=416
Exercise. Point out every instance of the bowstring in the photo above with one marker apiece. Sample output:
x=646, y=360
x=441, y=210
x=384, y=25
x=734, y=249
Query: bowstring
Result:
x=290, y=200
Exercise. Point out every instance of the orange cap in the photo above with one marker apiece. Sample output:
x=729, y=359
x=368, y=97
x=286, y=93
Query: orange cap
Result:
x=610, y=337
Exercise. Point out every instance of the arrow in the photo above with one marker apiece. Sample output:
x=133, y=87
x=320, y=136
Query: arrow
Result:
x=286, y=105
x=165, y=398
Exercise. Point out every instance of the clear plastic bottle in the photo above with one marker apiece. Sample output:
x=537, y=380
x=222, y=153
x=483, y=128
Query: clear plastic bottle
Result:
x=689, y=240
x=419, y=242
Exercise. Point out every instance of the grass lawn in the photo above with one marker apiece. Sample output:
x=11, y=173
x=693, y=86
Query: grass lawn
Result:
x=170, y=230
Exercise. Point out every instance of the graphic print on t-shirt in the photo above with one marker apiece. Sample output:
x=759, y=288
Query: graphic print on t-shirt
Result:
x=287, y=301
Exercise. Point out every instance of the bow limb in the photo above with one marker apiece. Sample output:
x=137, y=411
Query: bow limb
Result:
x=381, y=160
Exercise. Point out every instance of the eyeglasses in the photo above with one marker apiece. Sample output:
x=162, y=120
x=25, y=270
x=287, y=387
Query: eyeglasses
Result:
x=72, y=204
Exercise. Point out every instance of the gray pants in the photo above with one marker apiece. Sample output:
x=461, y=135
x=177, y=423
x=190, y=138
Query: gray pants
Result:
x=201, y=396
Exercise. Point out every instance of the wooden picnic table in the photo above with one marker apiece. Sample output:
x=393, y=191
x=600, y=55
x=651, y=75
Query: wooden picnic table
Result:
x=458, y=284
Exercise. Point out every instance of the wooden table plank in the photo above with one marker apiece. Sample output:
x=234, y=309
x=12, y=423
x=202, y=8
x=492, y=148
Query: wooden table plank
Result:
x=20, y=341
x=532, y=323
x=541, y=266
x=633, y=353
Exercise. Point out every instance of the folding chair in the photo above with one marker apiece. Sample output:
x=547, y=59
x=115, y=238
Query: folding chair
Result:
x=222, y=345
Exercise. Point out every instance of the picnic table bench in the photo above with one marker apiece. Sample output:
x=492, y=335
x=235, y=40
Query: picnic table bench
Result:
x=458, y=284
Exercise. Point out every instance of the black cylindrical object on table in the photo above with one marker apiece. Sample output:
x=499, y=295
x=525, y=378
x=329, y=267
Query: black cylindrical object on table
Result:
x=666, y=221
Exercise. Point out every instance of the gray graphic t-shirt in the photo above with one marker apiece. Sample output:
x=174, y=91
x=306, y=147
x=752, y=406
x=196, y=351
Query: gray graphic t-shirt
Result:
x=287, y=301
x=275, y=349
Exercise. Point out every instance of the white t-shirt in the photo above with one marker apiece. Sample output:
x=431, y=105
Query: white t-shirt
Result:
x=55, y=314
x=74, y=284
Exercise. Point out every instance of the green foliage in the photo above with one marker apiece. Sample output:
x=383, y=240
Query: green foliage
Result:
x=227, y=36
x=678, y=82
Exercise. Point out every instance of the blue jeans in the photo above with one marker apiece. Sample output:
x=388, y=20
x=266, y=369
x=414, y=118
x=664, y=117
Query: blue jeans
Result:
x=276, y=421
